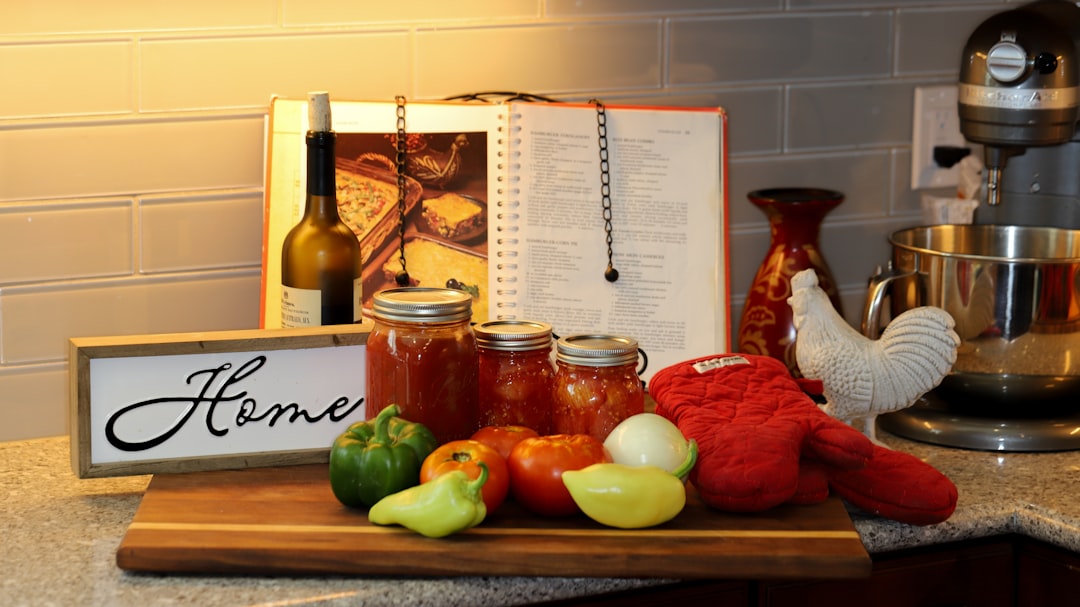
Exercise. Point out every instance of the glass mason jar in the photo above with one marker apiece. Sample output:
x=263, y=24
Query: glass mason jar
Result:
x=596, y=384
x=421, y=355
x=515, y=374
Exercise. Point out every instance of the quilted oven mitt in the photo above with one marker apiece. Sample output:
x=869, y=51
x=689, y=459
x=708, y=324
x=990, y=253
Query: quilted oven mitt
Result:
x=888, y=483
x=753, y=425
x=893, y=484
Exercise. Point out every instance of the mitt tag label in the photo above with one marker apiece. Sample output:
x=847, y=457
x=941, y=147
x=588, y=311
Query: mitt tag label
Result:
x=704, y=366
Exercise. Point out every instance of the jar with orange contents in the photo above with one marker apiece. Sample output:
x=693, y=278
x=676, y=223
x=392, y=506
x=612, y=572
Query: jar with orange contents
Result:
x=422, y=356
x=515, y=374
x=596, y=384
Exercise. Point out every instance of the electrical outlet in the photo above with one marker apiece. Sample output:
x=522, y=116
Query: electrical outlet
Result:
x=935, y=124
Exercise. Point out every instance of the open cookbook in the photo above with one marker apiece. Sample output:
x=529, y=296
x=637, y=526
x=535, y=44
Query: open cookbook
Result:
x=505, y=201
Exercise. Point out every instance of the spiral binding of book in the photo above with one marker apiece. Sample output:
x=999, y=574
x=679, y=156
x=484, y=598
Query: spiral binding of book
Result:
x=506, y=215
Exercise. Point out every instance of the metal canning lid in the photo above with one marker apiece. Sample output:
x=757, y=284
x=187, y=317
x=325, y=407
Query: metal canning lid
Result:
x=597, y=350
x=513, y=335
x=422, y=304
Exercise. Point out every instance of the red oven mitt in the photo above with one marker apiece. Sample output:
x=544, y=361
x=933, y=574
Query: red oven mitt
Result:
x=894, y=485
x=753, y=425
x=725, y=401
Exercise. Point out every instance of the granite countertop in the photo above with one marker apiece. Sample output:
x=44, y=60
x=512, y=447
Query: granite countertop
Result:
x=60, y=535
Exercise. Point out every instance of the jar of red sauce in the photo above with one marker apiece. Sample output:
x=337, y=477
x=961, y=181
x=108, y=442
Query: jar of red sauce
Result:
x=596, y=384
x=421, y=355
x=515, y=374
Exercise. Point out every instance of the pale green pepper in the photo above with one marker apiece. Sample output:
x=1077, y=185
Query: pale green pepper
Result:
x=447, y=504
x=630, y=497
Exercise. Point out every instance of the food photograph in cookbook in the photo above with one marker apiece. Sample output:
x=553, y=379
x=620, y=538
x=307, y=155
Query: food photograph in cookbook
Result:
x=445, y=225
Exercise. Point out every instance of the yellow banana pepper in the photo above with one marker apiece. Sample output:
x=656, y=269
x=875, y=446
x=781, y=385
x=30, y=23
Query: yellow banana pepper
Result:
x=447, y=504
x=630, y=497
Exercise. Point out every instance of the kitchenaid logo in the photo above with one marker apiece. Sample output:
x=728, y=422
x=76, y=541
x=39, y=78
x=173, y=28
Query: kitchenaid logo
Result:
x=212, y=389
x=1018, y=99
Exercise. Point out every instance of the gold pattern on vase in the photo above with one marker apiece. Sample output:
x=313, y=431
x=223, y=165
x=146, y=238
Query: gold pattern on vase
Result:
x=795, y=216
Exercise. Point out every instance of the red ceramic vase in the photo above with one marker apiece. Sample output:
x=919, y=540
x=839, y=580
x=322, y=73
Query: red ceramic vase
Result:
x=795, y=216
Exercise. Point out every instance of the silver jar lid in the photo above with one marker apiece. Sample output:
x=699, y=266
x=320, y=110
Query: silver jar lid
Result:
x=513, y=335
x=597, y=350
x=422, y=304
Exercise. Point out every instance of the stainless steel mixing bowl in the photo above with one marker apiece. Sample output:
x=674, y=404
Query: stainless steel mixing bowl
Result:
x=1014, y=292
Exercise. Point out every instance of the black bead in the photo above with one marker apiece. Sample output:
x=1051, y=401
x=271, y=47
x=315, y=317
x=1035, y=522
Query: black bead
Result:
x=611, y=274
x=402, y=278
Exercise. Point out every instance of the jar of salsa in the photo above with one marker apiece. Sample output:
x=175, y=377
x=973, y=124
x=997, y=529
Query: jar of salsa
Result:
x=596, y=384
x=421, y=355
x=515, y=374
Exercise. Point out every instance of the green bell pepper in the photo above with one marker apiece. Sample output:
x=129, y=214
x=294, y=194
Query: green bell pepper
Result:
x=448, y=503
x=375, y=458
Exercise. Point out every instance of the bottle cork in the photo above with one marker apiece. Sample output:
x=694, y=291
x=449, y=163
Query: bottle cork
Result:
x=319, y=111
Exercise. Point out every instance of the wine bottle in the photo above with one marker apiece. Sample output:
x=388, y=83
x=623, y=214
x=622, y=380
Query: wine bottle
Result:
x=320, y=258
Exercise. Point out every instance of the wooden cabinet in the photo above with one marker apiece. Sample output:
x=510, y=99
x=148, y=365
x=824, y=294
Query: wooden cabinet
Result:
x=1047, y=576
x=977, y=574
x=1007, y=571
x=714, y=593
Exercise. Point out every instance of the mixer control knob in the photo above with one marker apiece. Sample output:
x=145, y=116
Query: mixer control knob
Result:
x=1006, y=61
x=1046, y=63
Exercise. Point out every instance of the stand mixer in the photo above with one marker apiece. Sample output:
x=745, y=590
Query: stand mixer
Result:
x=1019, y=98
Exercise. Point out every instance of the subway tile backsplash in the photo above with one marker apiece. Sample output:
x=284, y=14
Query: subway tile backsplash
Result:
x=96, y=240
x=549, y=58
x=200, y=231
x=349, y=12
x=217, y=72
x=39, y=320
x=780, y=47
x=74, y=18
x=73, y=159
x=97, y=78
x=131, y=133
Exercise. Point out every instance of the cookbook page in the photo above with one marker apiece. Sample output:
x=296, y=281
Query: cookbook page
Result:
x=452, y=167
x=668, y=226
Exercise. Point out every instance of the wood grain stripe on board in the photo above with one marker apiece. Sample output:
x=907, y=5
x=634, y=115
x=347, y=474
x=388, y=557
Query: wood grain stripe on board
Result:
x=371, y=529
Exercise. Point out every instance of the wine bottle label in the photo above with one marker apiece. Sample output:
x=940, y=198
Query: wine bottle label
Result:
x=300, y=307
x=358, y=299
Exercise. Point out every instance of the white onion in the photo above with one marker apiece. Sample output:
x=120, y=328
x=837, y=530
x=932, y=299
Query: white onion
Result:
x=647, y=438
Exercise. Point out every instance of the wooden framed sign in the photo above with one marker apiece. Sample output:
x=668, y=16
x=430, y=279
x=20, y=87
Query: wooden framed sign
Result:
x=189, y=402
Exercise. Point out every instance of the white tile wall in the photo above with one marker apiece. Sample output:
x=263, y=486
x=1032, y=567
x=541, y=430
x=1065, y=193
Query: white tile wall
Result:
x=338, y=12
x=34, y=253
x=131, y=133
x=39, y=319
x=76, y=18
x=548, y=58
x=789, y=46
x=212, y=72
x=129, y=156
x=97, y=73
x=200, y=231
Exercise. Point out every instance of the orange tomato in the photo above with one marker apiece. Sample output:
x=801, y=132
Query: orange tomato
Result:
x=466, y=455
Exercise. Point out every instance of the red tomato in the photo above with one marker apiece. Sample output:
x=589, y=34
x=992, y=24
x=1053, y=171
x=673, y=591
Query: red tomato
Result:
x=503, y=438
x=536, y=466
x=465, y=455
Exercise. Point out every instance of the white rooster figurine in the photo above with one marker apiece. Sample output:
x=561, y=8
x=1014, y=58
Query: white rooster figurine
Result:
x=862, y=377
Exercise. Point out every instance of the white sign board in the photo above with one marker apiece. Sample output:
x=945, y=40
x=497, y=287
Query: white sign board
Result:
x=210, y=401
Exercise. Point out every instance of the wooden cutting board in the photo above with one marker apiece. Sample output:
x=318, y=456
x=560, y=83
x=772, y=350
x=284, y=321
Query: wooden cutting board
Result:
x=286, y=521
